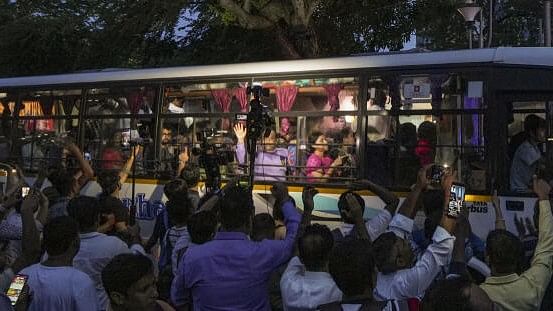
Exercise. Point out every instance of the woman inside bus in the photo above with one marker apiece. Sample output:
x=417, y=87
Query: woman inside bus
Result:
x=426, y=145
x=271, y=163
x=320, y=167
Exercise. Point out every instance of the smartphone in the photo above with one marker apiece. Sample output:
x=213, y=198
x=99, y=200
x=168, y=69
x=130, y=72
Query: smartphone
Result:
x=25, y=191
x=16, y=287
x=456, y=200
x=436, y=173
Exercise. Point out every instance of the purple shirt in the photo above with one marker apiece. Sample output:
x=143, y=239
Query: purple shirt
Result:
x=269, y=166
x=231, y=272
x=314, y=163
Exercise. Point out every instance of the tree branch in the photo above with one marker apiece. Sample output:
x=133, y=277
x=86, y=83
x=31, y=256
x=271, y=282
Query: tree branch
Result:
x=247, y=6
x=245, y=19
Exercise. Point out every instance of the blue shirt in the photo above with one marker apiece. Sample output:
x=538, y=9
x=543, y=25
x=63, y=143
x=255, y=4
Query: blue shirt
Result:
x=231, y=272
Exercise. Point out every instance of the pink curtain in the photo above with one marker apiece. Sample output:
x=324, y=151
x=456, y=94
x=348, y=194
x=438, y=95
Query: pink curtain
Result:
x=242, y=97
x=223, y=98
x=332, y=91
x=285, y=97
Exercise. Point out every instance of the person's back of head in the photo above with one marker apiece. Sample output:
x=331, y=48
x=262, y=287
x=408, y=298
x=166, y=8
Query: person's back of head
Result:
x=63, y=181
x=352, y=267
x=129, y=282
x=176, y=189
x=61, y=237
x=407, y=135
x=178, y=211
x=85, y=211
x=236, y=209
x=263, y=227
x=385, y=253
x=532, y=123
x=112, y=205
x=109, y=181
x=191, y=174
x=343, y=205
x=202, y=227
x=315, y=246
x=456, y=294
x=505, y=252
x=427, y=131
x=433, y=204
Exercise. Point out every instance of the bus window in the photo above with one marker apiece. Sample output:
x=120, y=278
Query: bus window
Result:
x=423, y=134
x=528, y=132
x=46, y=117
x=119, y=121
x=321, y=141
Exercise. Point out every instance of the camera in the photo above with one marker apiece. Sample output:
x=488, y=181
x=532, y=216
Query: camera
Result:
x=212, y=152
x=260, y=119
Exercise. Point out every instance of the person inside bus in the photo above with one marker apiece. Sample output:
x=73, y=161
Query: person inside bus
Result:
x=426, y=144
x=345, y=146
x=408, y=163
x=527, y=159
x=320, y=167
x=270, y=162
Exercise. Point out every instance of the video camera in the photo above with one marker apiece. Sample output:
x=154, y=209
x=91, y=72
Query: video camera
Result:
x=212, y=153
x=260, y=119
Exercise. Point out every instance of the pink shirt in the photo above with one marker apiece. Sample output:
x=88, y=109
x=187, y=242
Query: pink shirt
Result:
x=314, y=163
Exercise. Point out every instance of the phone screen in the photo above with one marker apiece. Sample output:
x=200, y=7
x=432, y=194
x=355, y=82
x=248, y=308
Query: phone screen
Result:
x=24, y=191
x=456, y=200
x=16, y=287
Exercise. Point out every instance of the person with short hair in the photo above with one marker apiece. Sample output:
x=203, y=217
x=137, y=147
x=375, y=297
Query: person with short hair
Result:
x=130, y=284
x=263, y=227
x=96, y=249
x=231, y=272
x=402, y=277
x=178, y=212
x=54, y=284
x=306, y=283
x=508, y=286
x=527, y=158
x=191, y=175
x=456, y=294
x=352, y=268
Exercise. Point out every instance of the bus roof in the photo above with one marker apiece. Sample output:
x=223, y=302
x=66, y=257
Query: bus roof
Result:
x=534, y=56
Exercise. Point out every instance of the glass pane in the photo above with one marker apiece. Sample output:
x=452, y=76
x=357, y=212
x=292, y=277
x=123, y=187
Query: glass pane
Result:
x=39, y=142
x=49, y=103
x=121, y=100
x=109, y=142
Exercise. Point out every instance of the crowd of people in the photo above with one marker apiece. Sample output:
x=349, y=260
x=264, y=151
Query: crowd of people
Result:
x=79, y=252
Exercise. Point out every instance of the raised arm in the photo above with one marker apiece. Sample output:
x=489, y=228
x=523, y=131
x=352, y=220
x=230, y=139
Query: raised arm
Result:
x=30, y=240
x=355, y=212
x=407, y=208
x=240, y=132
x=183, y=160
x=308, y=194
x=86, y=170
x=389, y=198
x=540, y=270
x=499, y=221
x=127, y=168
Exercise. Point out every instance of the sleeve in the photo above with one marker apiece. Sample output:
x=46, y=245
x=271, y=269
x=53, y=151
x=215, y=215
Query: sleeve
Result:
x=272, y=253
x=180, y=295
x=241, y=153
x=413, y=282
x=540, y=271
x=402, y=226
x=313, y=164
x=378, y=224
x=86, y=299
x=529, y=155
x=289, y=277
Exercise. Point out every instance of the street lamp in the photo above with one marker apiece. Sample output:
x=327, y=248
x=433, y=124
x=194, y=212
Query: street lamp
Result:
x=469, y=9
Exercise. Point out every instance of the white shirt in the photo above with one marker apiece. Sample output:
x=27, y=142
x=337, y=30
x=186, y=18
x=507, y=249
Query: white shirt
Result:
x=96, y=251
x=413, y=282
x=375, y=226
x=302, y=289
x=60, y=289
x=524, y=166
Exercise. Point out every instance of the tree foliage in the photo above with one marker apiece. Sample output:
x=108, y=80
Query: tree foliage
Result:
x=38, y=37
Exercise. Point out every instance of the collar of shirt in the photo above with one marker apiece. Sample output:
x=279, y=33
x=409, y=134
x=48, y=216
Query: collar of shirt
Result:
x=229, y=235
x=497, y=280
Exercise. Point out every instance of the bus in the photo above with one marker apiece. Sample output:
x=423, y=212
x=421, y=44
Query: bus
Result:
x=399, y=111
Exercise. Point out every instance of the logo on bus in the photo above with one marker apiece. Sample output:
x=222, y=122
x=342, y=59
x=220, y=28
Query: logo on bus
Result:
x=145, y=210
x=478, y=207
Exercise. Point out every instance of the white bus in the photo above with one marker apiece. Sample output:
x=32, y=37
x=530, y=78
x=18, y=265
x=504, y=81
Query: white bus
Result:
x=455, y=108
